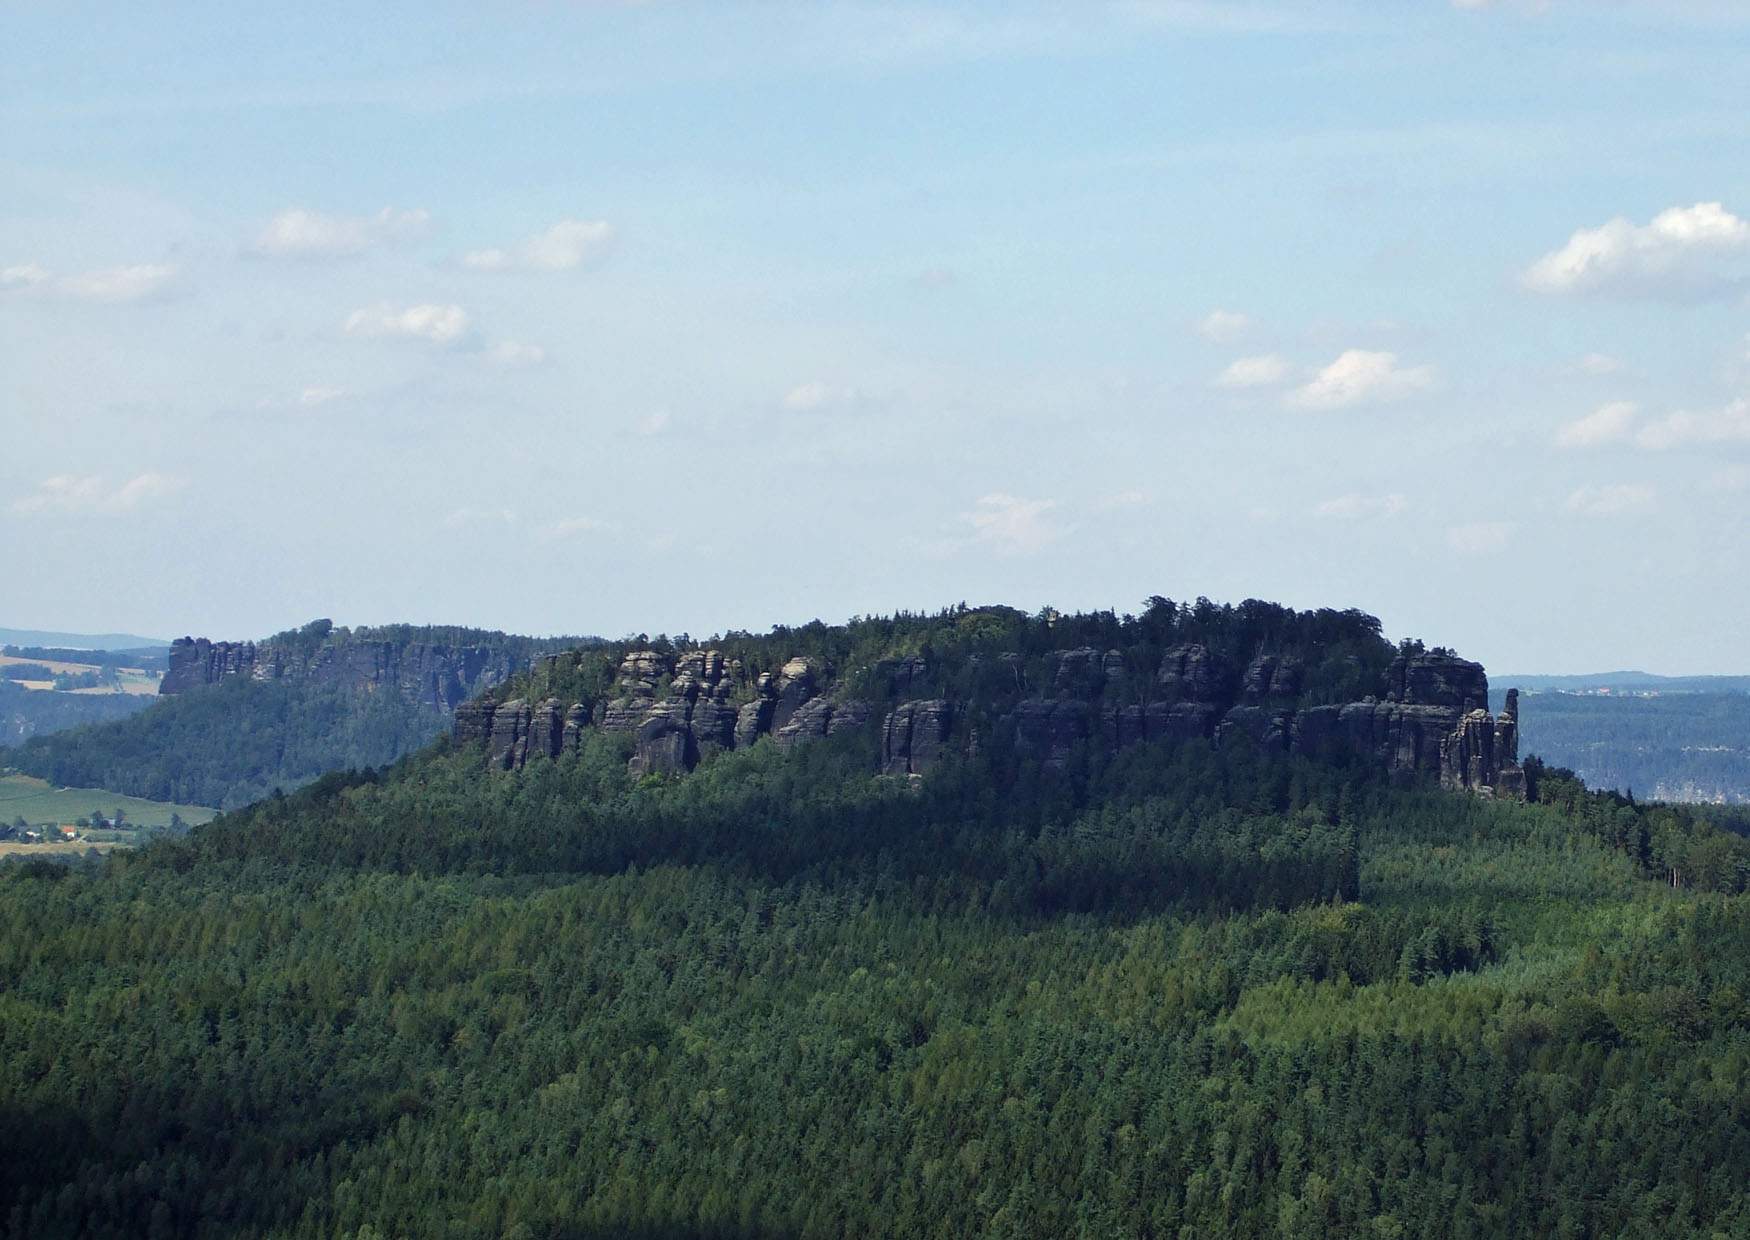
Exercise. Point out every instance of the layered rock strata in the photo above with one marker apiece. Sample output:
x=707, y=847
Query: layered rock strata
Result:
x=439, y=677
x=1433, y=719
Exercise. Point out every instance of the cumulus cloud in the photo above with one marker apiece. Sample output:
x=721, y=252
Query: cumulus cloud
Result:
x=1361, y=377
x=1013, y=526
x=514, y=355
x=568, y=244
x=464, y=517
x=814, y=396
x=1598, y=364
x=445, y=324
x=109, y=285
x=1674, y=430
x=1617, y=499
x=1355, y=506
x=1249, y=372
x=1607, y=424
x=300, y=233
x=25, y=275
x=1118, y=500
x=1223, y=326
x=1730, y=478
x=570, y=527
x=1684, y=252
x=1480, y=537
x=118, y=284
x=93, y=494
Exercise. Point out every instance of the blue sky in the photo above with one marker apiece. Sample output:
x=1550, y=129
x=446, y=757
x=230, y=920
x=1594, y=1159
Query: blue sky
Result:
x=638, y=317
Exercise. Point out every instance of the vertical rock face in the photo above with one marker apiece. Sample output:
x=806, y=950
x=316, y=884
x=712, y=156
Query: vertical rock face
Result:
x=795, y=684
x=196, y=662
x=571, y=737
x=914, y=736
x=508, y=743
x=681, y=709
x=1193, y=673
x=438, y=677
x=1433, y=719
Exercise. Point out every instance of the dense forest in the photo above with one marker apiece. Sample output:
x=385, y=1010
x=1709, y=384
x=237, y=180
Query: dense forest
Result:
x=1178, y=990
x=25, y=713
x=1674, y=746
x=232, y=743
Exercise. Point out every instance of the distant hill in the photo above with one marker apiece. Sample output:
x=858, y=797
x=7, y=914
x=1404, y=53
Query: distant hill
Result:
x=1662, y=738
x=79, y=641
x=238, y=719
x=25, y=713
x=1212, y=921
x=1630, y=682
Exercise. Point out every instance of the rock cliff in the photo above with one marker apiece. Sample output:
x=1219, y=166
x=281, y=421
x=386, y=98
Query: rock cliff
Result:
x=440, y=677
x=1431, y=719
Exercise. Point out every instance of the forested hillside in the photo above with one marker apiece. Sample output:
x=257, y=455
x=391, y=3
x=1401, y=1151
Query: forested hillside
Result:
x=302, y=703
x=25, y=713
x=1671, y=746
x=232, y=743
x=1177, y=988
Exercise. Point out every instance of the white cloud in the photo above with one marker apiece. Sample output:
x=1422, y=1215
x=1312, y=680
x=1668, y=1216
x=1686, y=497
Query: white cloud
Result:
x=1599, y=364
x=1361, y=377
x=464, y=517
x=1607, y=424
x=1612, y=501
x=570, y=526
x=813, y=396
x=300, y=233
x=1248, y=372
x=1730, y=478
x=25, y=275
x=111, y=285
x=91, y=494
x=1480, y=537
x=438, y=324
x=1674, y=430
x=1354, y=506
x=1013, y=526
x=114, y=285
x=652, y=423
x=1684, y=252
x=568, y=244
x=1223, y=326
x=1124, y=499
x=514, y=355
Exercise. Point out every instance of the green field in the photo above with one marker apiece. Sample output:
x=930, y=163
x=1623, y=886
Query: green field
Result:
x=40, y=802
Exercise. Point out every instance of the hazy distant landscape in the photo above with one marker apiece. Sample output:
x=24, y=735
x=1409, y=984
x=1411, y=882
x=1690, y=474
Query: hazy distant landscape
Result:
x=804, y=620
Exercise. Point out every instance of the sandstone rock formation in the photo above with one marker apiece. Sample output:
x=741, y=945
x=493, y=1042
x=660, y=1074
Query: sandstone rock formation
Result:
x=436, y=676
x=1433, y=719
x=914, y=736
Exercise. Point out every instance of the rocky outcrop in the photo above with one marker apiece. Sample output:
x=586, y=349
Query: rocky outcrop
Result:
x=1434, y=722
x=680, y=710
x=1433, y=719
x=818, y=718
x=914, y=736
x=507, y=745
x=1087, y=672
x=1194, y=673
x=436, y=676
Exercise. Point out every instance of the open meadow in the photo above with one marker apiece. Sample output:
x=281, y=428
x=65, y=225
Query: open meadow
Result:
x=37, y=801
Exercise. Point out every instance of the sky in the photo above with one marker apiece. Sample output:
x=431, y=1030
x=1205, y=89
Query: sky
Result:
x=663, y=317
